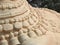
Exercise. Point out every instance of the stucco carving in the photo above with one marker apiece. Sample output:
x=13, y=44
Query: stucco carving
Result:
x=21, y=24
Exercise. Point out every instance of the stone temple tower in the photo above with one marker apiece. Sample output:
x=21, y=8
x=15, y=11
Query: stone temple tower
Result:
x=21, y=24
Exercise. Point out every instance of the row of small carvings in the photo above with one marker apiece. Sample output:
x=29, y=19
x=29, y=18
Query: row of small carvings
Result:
x=25, y=30
x=17, y=25
x=10, y=5
x=22, y=36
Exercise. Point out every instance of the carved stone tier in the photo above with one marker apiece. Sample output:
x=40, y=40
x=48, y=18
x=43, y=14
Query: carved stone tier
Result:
x=24, y=25
x=12, y=8
x=16, y=16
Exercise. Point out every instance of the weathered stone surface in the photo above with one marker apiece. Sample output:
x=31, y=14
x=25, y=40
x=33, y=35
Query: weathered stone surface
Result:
x=21, y=24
